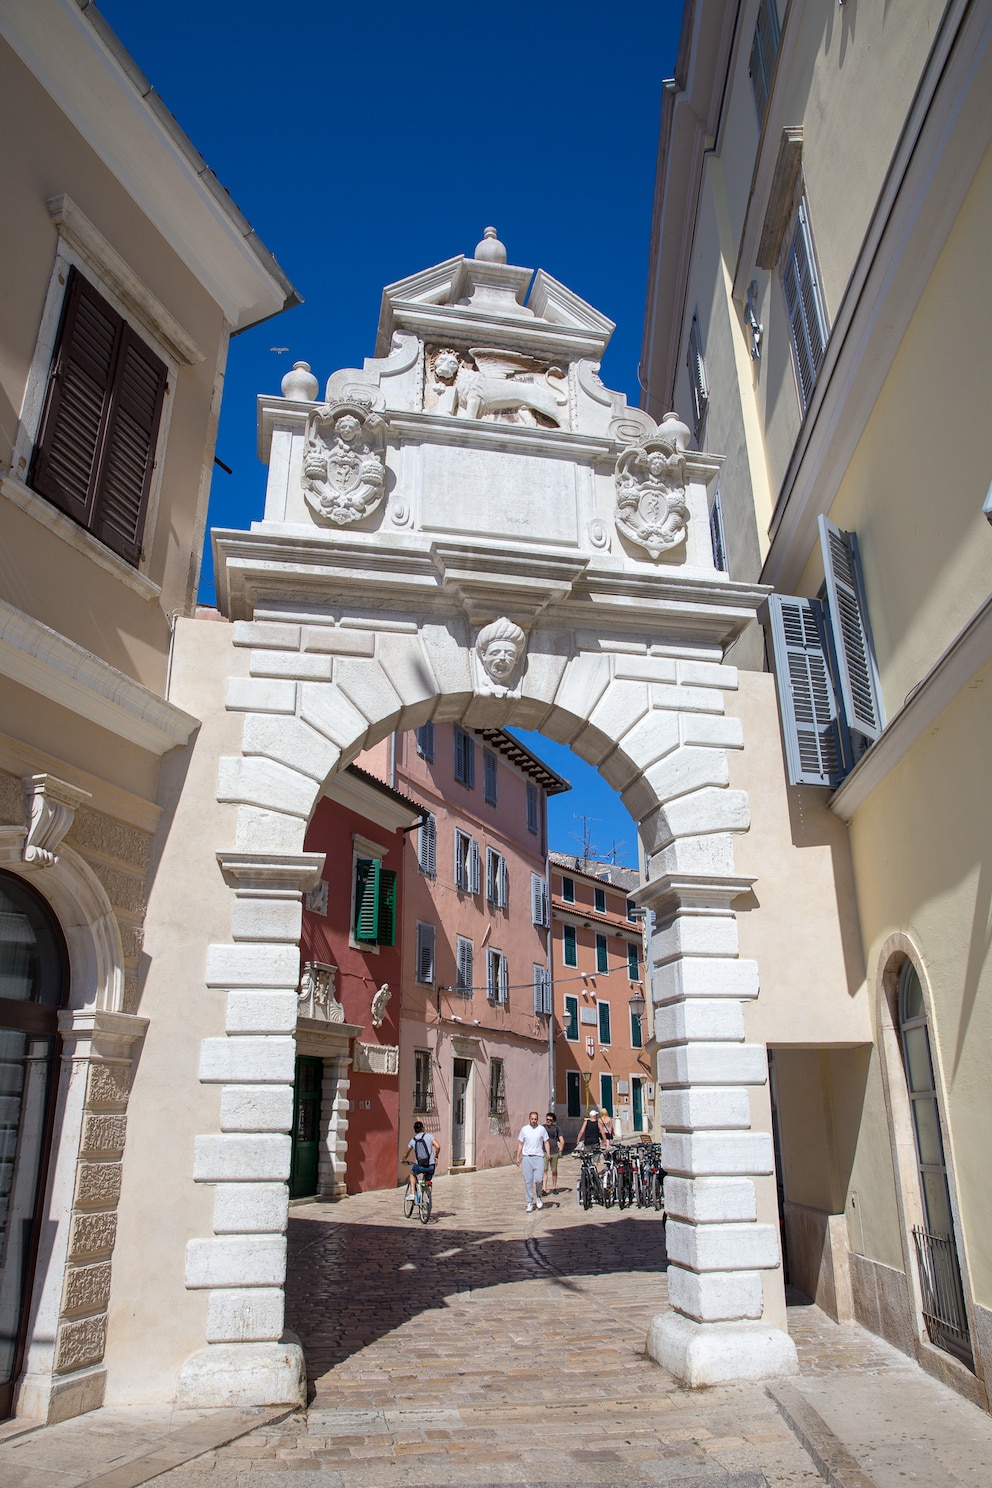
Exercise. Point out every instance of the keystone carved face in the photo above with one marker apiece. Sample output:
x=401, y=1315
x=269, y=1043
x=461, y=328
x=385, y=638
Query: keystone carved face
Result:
x=499, y=659
x=500, y=648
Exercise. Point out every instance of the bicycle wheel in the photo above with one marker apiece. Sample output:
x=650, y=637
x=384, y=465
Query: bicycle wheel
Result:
x=597, y=1194
x=585, y=1190
x=408, y=1203
x=658, y=1193
x=426, y=1200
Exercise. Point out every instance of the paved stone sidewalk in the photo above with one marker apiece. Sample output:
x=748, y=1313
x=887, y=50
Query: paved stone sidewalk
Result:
x=498, y=1347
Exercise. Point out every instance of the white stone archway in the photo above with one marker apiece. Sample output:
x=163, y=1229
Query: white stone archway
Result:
x=404, y=516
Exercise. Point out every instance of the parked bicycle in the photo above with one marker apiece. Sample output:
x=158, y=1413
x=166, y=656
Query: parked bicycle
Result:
x=589, y=1185
x=422, y=1198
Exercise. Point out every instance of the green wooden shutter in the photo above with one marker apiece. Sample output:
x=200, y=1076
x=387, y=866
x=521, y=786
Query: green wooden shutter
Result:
x=808, y=708
x=571, y=1018
x=604, y=1022
x=387, y=907
x=848, y=610
x=367, y=872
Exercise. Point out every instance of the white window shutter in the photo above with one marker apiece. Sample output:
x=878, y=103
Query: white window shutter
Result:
x=461, y=860
x=492, y=983
x=805, y=694
x=860, y=691
x=504, y=980
x=502, y=883
x=538, y=900
x=475, y=867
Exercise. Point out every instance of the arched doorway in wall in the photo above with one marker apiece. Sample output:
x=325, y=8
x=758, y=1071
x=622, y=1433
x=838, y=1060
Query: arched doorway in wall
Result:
x=34, y=984
x=936, y=1249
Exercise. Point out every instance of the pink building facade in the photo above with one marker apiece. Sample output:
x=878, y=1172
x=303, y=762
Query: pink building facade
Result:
x=475, y=1014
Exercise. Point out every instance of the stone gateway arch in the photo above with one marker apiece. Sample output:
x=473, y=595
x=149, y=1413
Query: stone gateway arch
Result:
x=470, y=527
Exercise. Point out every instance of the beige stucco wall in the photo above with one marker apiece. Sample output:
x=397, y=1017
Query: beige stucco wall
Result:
x=154, y=1321
x=40, y=572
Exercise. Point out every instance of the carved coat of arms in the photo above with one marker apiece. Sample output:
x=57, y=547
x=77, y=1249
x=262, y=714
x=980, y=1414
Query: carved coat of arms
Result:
x=651, y=506
x=344, y=467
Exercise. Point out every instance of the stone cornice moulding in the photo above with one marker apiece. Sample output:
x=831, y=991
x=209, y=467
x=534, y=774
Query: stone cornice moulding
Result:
x=99, y=1034
x=458, y=325
x=255, y=873
x=77, y=229
x=963, y=658
x=44, y=661
x=82, y=65
x=916, y=209
x=693, y=892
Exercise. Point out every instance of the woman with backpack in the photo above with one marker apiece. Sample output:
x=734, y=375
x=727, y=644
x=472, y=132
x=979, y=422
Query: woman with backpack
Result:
x=422, y=1152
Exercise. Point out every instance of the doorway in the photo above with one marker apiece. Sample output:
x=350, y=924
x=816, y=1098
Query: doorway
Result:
x=306, y=1127
x=637, y=1102
x=461, y=1079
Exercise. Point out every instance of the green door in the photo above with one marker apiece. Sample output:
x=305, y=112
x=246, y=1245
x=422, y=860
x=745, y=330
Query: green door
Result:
x=637, y=1093
x=306, y=1127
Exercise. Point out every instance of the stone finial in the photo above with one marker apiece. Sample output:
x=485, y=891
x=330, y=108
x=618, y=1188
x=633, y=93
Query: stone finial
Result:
x=300, y=384
x=490, y=250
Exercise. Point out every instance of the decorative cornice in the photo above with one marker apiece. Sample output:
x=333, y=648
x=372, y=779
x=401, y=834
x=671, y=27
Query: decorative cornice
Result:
x=99, y=1034
x=289, y=873
x=692, y=891
x=56, y=668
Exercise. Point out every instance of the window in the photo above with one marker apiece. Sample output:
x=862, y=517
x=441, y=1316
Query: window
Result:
x=602, y=954
x=606, y=1094
x=464, y=758
x=425, y=741
x=533, y=815
x=538, y=900
x=698, y=390
x=568, y=890
x=425, y=953
x=599, y=900
x=423, y=1081
x=632, y=911
x=828, y=689
x=427, y=845
x=497, y=879
x=543, y=1004
x=573, y=1093
x=490, y=785
x=375, y=903
x=497, y=1088
x=603, y=1009
x=636, y=1034
x=718, y=541
x=497, y=977
x=99, y=427
x=764, y=49
x=568, y=949
x=468, y=863
x=633, y=961
x=804, y=302
x=464, y=966
x=571, y=1018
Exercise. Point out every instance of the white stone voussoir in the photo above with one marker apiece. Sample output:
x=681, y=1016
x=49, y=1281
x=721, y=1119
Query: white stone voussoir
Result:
x=301, y=666
x=709, y=731
x=291, y=742
x=702, y=1354
x=711, y=809
x=715, y=1296
x=706, y=1018
x=251, y=1208
x=256, y=1108
x=235, y=1375
x=584, y=682
x=722, y=1247
x=261, y=1011
x=687, y=699
x=338, y=640
x=712, y=856
x=331, y=713
x=708, y=674
x=247, y=1061
x=259, y=830
x=721, y=1154
x=712, y=1064
x=645, y=668
x=687, y=769
x=272, y=635
x=246, y=1315
x=253, y=964
x=366, y=685
x=260, y=695
x=230, y=1157
x=620, y=707
x=236, y=1261
x=266, y=783
x=406, y=665
x=704, y=976
x=710, y=1200
x=701, y=1110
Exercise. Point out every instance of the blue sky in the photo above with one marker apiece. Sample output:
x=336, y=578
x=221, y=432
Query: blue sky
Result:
x=365, y=143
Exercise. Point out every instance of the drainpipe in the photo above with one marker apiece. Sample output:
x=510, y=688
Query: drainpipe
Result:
x=551, y=982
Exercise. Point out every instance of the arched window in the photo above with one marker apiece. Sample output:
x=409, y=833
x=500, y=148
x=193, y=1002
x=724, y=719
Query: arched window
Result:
x=33, y=986
x=936, y=1250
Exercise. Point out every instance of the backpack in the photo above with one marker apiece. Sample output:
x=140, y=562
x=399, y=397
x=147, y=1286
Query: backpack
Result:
x=423, y=1150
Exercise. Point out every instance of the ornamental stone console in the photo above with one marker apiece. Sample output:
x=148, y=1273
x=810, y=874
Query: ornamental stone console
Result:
x=472, y=527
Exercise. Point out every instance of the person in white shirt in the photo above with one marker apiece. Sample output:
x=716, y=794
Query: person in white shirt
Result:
x=532, y=1148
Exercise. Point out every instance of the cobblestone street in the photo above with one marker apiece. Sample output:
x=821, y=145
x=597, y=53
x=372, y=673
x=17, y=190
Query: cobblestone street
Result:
x=498, y=1347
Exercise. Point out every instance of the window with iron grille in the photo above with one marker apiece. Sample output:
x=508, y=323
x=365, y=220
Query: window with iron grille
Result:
x=96, y=445
x=375, y=903
x=497, y=978
x=426, y=938
x=698, y=388
x=423, y=1081
x=764, y=48
x=497, y=879
x=425, y=741
x=464, y=966
x=602, y=954
x=490, y=782
x=497, y=1088
x=427, y=845
x=533, y=814
x=569, y=951
x=804, y=302
x=571, y=1018
x=464, y=758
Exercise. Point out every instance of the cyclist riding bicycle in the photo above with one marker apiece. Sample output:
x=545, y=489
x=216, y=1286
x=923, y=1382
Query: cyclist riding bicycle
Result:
x=422, y=1152
x=592, y=1133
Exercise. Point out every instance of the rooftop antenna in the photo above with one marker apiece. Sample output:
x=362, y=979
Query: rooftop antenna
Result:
x=586, y=839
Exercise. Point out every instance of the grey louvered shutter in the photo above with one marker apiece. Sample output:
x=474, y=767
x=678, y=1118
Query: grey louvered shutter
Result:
x=504, y=979
x=425, y=953
x=538, y=900
x=465, y=960
x=848, y=610
x=474, y=867
x=427, y=855
x=804, y=300
x=502, y=883
x=805, y=693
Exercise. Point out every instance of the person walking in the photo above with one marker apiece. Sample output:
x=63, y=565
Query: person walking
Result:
x=533, y=1147
x=592, y=1133
x=556, y=1146
x=422, y=1152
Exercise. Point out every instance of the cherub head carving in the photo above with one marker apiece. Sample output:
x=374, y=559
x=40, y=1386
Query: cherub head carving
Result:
x=500, y=647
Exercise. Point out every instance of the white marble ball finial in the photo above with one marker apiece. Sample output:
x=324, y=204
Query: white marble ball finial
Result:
x=490, y=250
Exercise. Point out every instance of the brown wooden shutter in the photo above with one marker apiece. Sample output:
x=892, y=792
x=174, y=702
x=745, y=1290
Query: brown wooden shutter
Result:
x=96, y=446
